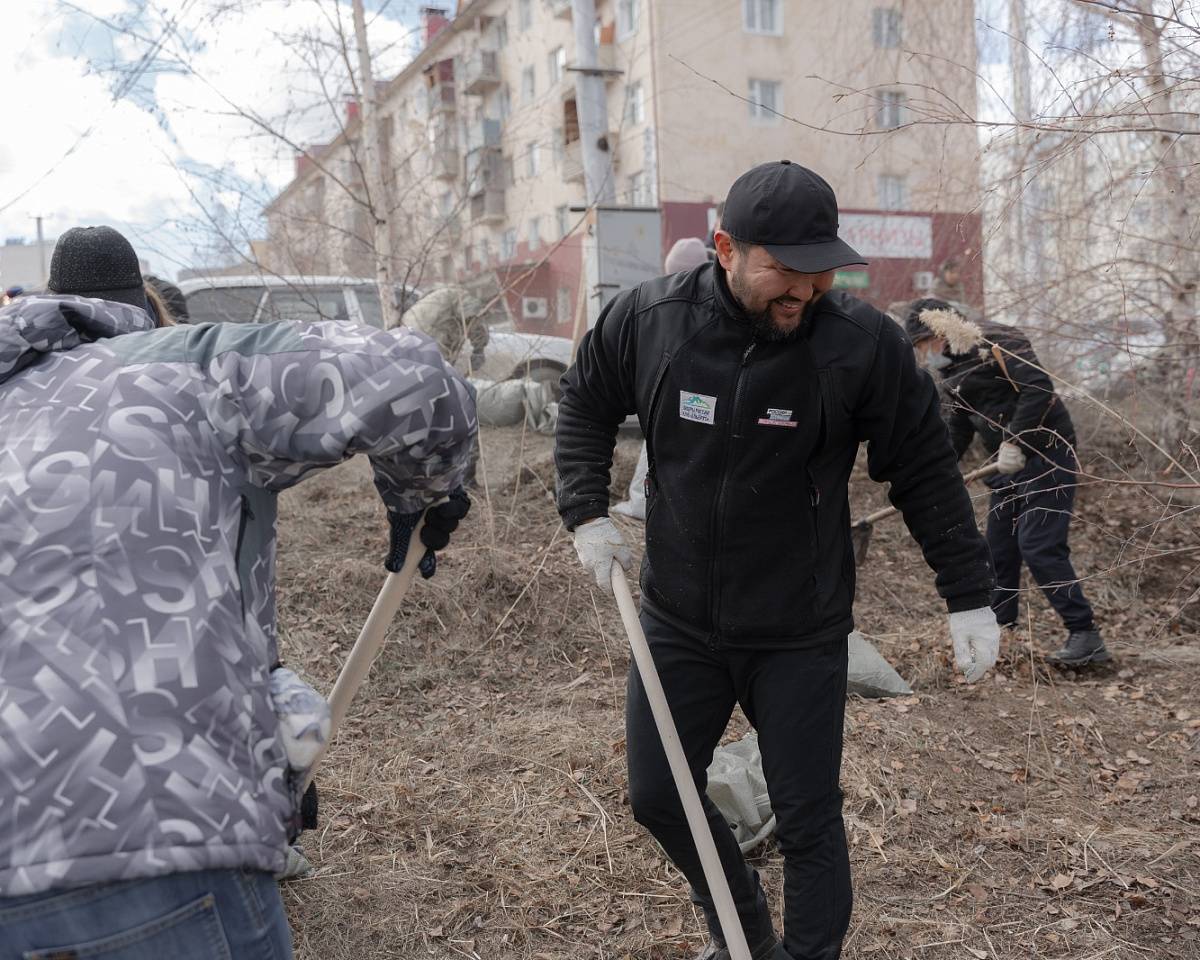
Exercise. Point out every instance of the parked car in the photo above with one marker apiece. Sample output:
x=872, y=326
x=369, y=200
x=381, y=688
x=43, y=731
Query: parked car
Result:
x=261, y=299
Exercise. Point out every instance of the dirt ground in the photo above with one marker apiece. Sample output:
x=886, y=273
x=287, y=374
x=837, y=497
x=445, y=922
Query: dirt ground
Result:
x=474, y=805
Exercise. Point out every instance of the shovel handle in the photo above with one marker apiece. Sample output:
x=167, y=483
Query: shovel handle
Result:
x=369, y=642
x=714, y=873
x=885, y=512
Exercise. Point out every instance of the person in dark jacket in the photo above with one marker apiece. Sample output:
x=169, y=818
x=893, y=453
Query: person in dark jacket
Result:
x=995, y=388
x=754, y=383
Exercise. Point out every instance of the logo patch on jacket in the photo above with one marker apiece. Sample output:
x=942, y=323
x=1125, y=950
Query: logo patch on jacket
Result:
x=697, y=407
x=777, y=418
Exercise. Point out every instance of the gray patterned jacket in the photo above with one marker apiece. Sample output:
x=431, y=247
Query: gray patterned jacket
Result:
x=138, y=475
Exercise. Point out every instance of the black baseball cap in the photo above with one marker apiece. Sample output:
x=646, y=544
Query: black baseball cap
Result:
x=790, y=211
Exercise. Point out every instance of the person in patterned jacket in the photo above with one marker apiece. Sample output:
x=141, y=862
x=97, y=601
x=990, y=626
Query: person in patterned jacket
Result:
x=146, y=796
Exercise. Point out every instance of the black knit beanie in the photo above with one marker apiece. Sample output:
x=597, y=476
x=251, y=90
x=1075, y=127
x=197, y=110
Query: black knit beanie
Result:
x=97, y=262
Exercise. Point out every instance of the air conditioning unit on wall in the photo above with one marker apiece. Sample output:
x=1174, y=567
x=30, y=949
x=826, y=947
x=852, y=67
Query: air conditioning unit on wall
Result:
x=535, y=308
x=923, y=281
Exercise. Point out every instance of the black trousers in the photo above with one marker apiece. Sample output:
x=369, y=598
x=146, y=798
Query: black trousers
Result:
x=796, y=701
x=1029, y=520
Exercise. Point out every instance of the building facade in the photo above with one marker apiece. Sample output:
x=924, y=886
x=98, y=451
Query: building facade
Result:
x=484, y=172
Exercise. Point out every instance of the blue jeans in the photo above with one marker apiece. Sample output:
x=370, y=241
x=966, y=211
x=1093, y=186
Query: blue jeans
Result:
x=204, y=915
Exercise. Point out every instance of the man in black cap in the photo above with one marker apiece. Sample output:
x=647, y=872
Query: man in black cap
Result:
x=754, y=382
x=995, y=387
x=97, y=262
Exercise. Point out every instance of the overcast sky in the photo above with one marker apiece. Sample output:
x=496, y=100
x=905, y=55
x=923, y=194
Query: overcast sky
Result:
x=126, y=112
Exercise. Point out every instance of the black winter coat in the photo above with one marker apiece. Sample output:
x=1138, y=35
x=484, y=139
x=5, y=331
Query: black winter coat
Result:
x=1011, y=401
x=750, y=445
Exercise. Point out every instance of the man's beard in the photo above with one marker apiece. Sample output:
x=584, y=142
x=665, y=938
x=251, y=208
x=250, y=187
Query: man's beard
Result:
x=760, y=321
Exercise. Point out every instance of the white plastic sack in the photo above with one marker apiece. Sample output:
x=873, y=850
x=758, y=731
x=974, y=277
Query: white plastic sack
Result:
x=869, y=674
x=737, y=786
x=635, y=506
x=505, y=403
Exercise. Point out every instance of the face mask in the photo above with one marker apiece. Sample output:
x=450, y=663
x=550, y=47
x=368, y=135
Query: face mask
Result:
x=936, y=361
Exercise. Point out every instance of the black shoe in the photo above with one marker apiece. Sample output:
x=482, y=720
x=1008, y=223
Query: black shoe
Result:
x=761, y=939
x=1083, y=647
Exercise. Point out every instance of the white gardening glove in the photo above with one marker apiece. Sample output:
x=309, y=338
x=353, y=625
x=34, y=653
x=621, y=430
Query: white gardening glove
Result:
x=598, y=543
x=1010, y=458
x=976, y=636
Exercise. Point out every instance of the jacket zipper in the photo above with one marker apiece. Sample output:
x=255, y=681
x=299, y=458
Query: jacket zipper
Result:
x=719, y=508
x=651, y=417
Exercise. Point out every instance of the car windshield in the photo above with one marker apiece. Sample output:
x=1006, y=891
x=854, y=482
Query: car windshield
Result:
x=223, y=304
x=307, y=304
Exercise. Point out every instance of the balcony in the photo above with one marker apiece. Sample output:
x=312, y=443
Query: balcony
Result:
x=483, y=133
x=482, y=72
x=559, y=8
x=442, y=99
x=444, y=162
x=488, y=206
x=572, y=159
x=484, y=170
x=606, y=66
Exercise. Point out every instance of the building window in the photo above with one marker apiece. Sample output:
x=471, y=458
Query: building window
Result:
x=533, y=160
x=447, y=268
x=558, y=144
x=501, y=32
x=445, y=204
x=635, y=106
x=524, y=14
x=639, y=190
x=893, y=192
x=765, y=100
x=891, y=109
x=885, y=26
x=504, y=102
x=508, y=244
x=627, y=18
x=528, y=84
x=558, y=64
x=535, y=232
x=562, y=218
x=485, y=251
x=562, y=305
x=763, y=16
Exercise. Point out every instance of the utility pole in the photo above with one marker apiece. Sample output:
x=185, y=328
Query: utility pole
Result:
x=41, y=242
x=591, y=103
x=372, y=163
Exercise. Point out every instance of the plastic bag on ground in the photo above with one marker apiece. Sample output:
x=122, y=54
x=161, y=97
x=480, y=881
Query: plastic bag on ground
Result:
x=870, y=675
x=505, y=403
x=738, y=788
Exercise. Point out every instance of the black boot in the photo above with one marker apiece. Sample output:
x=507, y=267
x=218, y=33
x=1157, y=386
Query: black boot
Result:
x=1083, y=647
x=760, y=938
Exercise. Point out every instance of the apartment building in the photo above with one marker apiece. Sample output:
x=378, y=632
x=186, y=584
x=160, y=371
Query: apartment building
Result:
x=483, y=163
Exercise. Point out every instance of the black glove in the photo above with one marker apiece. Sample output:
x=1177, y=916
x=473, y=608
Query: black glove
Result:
x=440, y=522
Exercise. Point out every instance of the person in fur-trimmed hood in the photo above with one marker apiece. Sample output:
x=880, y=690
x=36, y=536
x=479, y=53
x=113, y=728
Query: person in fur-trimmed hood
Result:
x=995, y=387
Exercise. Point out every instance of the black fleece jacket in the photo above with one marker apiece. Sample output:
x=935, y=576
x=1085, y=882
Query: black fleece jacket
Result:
x=1013, y=400
x=751, y=444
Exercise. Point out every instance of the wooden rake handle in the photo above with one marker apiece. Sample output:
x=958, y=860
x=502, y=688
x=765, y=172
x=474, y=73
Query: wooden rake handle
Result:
x=370, y=641
x=718, y=885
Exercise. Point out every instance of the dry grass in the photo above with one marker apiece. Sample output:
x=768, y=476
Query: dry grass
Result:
x=475, y=807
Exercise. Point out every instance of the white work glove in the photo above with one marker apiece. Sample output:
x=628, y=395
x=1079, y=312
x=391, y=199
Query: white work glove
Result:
x=598, y=543
x=976, y=636
x=1010, y=458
